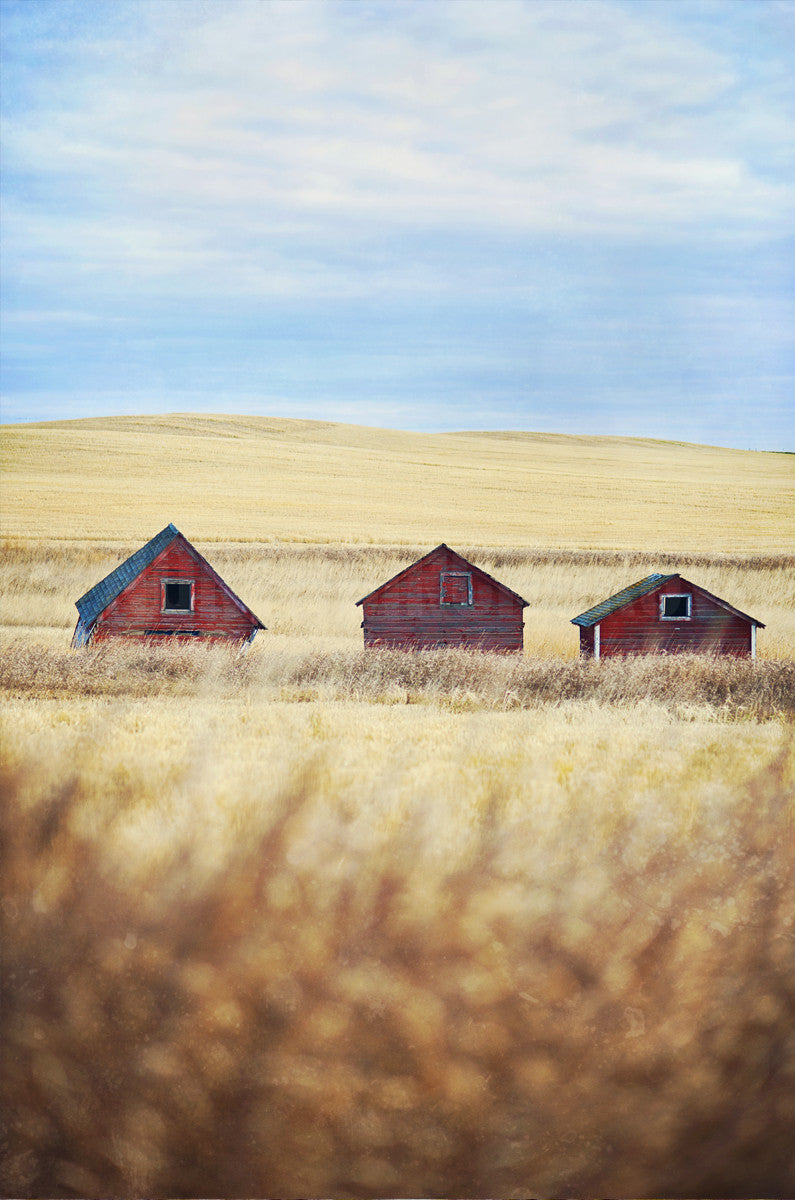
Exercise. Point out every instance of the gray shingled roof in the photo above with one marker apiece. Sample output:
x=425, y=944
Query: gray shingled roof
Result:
x=596, y=614
x=99, y=597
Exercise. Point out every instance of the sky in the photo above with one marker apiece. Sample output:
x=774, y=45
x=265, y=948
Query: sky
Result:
x=569, y=216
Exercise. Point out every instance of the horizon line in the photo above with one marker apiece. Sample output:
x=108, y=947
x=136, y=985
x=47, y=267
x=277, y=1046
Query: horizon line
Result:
x=435, y=432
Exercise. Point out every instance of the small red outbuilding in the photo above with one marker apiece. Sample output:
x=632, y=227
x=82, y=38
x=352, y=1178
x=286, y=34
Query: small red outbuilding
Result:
x=443, y=600
x=165, y=590
x=666, y=614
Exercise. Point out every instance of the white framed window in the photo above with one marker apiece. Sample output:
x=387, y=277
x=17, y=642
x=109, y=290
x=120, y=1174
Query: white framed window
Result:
x=177, y=595
x=455, y=588
x=675, y=607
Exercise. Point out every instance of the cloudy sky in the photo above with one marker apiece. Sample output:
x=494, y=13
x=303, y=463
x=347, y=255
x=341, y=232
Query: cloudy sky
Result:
x=559, y=215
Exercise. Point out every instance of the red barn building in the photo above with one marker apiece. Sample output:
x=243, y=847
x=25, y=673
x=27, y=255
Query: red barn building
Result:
x=665, y=614
x=166, y=589
x=443, y=600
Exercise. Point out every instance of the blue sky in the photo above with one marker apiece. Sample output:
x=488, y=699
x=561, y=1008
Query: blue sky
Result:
x=571, y=216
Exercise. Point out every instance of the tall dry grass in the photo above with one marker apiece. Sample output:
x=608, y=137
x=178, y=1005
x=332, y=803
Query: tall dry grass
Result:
x=280, y=990
x=456, y=679
x=306, y=594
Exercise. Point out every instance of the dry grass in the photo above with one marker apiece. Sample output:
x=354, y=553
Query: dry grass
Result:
x=262, y=949
x=266, y=479
x=460, y=680
x=306, y=594
x=341, y=924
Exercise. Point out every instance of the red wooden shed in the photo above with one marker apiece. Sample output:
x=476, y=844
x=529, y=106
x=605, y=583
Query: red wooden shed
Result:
x=443, y=600
x=165, y=590
x=666, y=614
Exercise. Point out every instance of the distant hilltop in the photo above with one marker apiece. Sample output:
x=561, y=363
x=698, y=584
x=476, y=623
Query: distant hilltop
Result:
x=268, y=478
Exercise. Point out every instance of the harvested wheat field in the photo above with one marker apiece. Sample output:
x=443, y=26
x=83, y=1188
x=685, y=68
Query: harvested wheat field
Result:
x=310, y=922
x=262, y=479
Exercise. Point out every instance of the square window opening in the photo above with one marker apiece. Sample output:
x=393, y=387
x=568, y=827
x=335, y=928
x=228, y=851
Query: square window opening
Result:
x=177, y=595
x=675, y=608
x=455, y=587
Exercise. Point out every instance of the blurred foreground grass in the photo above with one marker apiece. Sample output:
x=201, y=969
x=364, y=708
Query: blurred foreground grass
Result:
x=395, y=925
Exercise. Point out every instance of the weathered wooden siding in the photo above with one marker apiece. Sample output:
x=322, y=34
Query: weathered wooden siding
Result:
x=137, y=612
x=638, y=629
x=407, y=611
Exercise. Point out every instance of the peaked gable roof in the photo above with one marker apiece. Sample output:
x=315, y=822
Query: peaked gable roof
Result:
x=464, y=563
x=635, y=590
x=97, y=598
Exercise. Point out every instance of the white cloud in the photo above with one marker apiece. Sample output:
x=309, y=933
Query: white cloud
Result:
x=543, y=116
x=483, y=197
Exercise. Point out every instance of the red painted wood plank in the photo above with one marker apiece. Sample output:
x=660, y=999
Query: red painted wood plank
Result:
x=138, y=611
x=637, y=628
x=412, y=610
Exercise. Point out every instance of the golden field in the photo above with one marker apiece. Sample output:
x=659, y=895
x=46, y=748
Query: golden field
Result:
x=306, y=594
x=416, y=927
x=263, y=479
x=314, y=922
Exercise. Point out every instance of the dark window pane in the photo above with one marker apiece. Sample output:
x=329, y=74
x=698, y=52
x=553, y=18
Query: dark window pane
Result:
x=178, y=596
x=676, y=606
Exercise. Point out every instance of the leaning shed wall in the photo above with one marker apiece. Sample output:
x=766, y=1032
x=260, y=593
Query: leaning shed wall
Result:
x=139, y=610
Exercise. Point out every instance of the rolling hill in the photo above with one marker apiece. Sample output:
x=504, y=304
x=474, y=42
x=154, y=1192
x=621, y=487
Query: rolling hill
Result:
x=265, y=479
